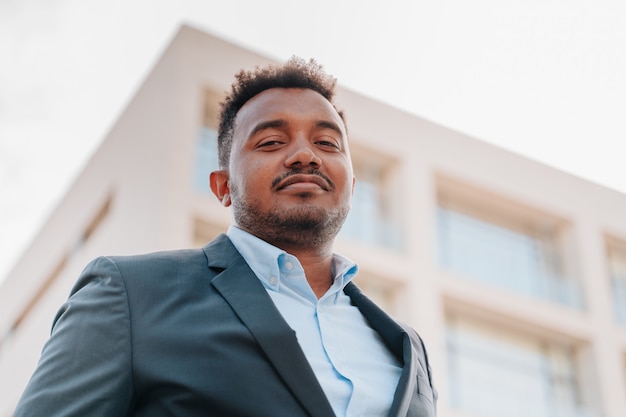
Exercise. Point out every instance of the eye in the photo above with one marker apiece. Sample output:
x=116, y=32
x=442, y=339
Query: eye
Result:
x=327, y=143
x=270, y=142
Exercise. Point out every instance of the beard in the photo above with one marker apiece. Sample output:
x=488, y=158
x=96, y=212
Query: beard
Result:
x=307, y=225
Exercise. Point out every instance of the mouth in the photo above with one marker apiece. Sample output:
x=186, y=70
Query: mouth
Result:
x=304, y=181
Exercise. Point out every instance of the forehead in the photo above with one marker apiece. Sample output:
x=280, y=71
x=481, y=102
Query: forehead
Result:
x=288, y=104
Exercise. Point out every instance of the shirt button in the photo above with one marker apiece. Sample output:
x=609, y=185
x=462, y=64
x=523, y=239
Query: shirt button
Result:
x=289, y=266
x=273, y=280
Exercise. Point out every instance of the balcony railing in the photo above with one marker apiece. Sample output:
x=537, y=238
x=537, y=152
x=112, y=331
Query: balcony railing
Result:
x=367, y=222
x=619, y=297
x=495, y=378
x=504, y=258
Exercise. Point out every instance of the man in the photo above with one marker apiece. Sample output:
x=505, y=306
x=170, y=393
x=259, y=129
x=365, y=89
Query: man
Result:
x=262, y=321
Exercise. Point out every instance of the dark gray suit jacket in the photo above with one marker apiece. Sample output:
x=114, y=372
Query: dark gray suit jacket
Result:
x=193, y=333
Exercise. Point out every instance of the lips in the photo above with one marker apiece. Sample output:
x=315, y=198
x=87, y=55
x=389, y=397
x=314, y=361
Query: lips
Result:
x=303, y=178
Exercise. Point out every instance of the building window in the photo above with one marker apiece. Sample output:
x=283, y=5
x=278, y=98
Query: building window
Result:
x=505, y=248
x=373, y=219
x=205, y=151
x=617, y=271
x=206, y=160
x=52, y=278
x=95, y=223
x=494, y=373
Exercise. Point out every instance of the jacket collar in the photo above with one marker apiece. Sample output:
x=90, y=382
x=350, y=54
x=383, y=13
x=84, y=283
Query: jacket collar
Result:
x=248, y=298
x=398, y=342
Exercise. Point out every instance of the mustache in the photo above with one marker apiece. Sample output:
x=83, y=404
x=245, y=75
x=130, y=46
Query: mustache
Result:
x=309, y=171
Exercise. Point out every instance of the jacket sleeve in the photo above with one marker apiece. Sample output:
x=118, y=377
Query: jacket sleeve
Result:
x=426, y=385
x=86, y=366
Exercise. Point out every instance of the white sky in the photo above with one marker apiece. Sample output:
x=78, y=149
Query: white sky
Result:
x=544, y=78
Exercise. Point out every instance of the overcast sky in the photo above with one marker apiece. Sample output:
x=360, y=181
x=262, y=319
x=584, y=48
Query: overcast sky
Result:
x=543, y=78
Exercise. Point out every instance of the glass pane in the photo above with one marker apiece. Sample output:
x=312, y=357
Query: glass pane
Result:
x=367, y=220
x=617, y=266
x=503, y=257
x=492, y=376
x=206, y=160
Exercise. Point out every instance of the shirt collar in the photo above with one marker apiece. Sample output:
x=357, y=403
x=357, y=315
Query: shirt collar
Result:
x=267, y=261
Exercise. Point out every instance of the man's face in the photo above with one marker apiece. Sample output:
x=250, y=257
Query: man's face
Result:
x=290, y=176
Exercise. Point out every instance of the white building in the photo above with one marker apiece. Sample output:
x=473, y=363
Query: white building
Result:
x=514, y=273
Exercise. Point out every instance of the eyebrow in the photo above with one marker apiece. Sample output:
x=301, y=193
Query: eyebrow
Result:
x=281, y=123
x=270, y=124
x=325, y=124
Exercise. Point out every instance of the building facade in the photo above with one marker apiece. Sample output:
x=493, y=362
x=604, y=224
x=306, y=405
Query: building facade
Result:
x=514, y=273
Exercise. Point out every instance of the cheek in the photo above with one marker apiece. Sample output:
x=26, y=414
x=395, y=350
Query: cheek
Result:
x=253, y=176
x=345, y=175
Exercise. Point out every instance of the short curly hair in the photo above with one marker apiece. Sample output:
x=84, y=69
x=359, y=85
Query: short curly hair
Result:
x=295, y=73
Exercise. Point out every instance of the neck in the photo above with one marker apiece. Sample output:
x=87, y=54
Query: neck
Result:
x=318, y=272
x=313, y=250
x=317, y=265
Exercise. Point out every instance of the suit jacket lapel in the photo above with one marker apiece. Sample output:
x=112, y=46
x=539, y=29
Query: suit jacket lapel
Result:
x=398, y=342
x=248, y=298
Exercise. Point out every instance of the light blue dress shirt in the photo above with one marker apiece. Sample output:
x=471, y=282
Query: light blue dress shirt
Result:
x=356, y=371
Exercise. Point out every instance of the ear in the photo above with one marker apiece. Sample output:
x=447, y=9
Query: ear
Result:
x=353, y=182
x=219, y=185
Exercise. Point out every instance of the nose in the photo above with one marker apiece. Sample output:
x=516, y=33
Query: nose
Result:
x=303, y=154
